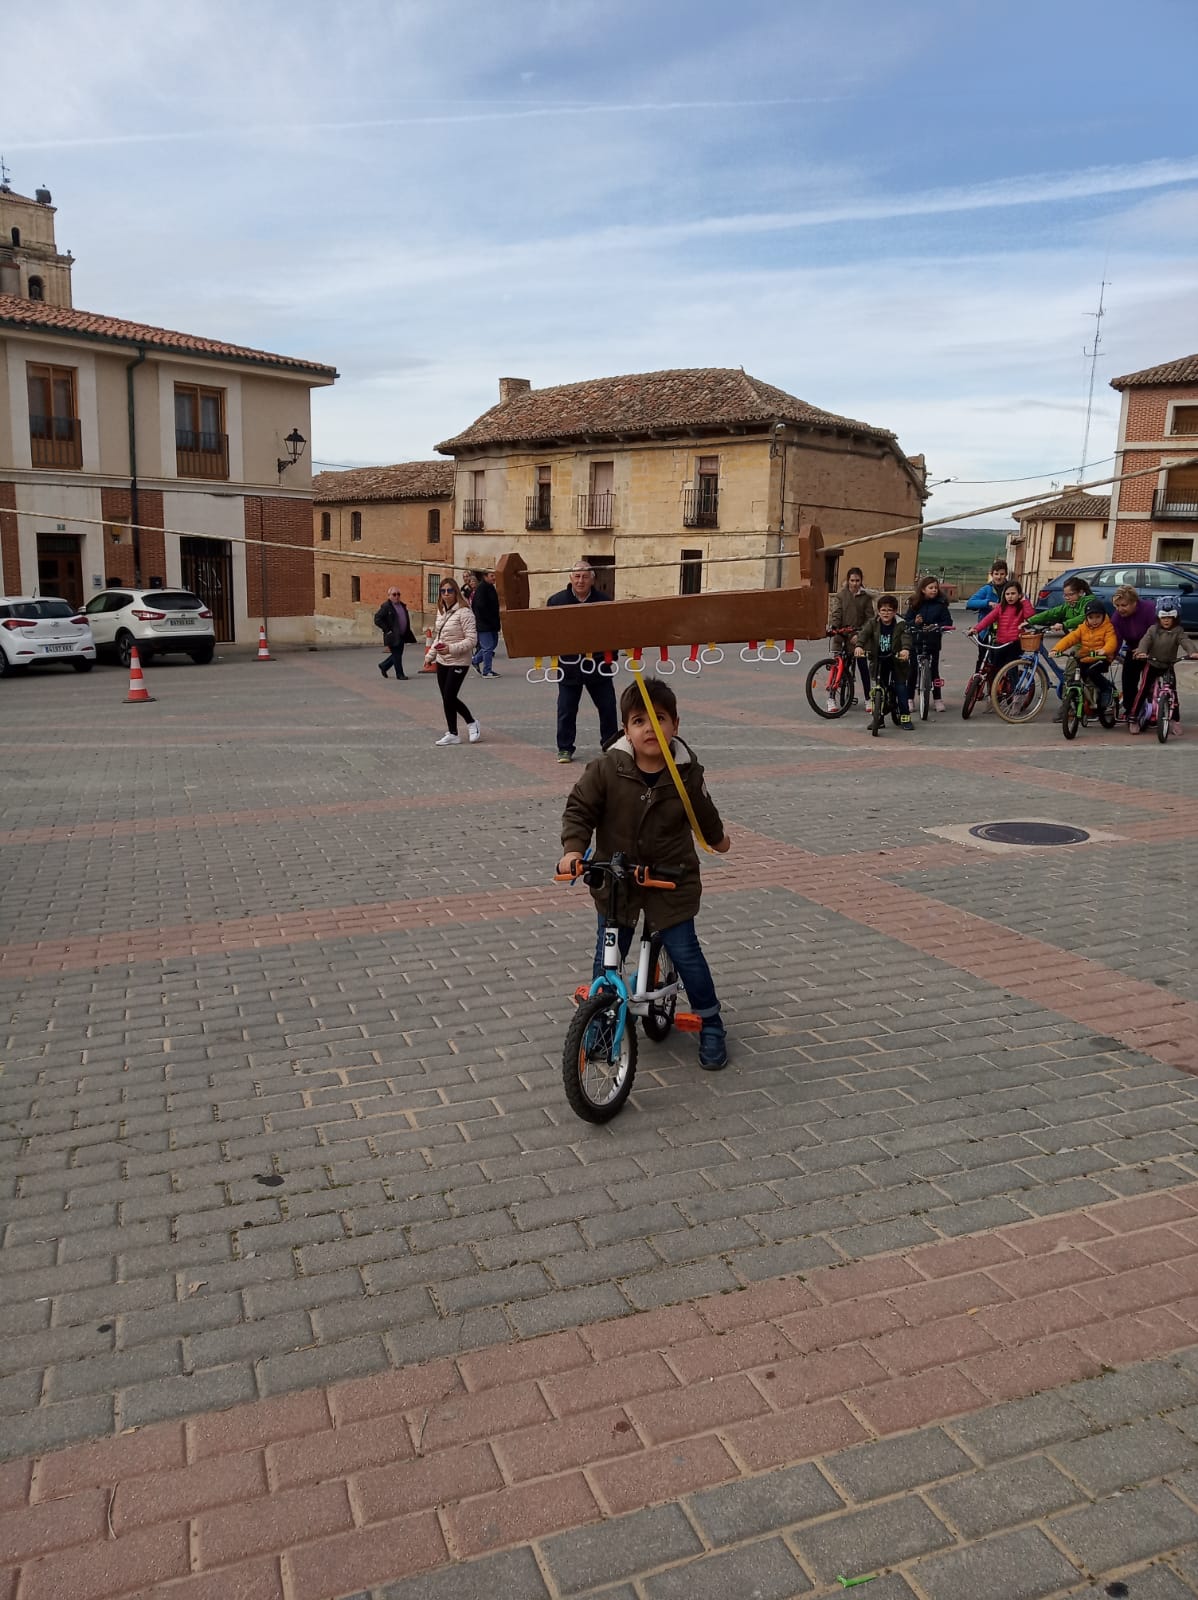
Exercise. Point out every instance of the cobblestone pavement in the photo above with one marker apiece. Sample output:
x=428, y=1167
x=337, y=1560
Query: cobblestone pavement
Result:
x=299, y=1231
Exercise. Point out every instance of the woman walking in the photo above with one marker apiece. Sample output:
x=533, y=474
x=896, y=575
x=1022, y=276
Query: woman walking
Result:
x=455, y=639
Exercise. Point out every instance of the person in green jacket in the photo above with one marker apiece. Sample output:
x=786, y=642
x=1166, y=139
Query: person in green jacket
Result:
x=1067, y=617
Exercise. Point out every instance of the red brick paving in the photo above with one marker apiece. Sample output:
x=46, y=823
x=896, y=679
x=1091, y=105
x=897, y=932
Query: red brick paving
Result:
x=316, y=1494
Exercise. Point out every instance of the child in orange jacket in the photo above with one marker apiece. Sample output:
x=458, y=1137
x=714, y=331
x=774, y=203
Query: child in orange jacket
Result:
x=1094, y=645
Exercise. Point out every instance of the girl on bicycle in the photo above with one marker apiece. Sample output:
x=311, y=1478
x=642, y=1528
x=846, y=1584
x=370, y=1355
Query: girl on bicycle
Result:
x=927, y=609
x=1007, y=619
x=1161, y=648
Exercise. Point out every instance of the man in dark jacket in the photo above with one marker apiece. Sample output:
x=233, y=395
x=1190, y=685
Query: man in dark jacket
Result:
x=485, y=604
x=392, y=617
x=581, y=591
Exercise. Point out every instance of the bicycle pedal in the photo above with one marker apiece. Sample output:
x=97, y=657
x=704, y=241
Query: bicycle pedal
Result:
x=580, y=994
x=688, y=1022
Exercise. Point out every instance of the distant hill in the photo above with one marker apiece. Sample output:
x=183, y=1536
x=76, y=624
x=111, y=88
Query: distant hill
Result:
x=961, y=553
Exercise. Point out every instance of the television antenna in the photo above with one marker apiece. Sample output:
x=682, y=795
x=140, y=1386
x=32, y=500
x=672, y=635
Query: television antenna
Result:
x=1093, y=356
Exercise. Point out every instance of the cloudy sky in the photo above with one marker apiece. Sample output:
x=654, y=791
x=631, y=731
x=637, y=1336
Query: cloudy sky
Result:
x=900, y=212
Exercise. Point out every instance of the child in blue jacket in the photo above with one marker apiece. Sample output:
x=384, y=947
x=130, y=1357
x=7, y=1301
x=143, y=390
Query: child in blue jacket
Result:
x=985, y=599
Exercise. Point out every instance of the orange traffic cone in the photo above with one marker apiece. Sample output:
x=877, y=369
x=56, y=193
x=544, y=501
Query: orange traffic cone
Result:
x=429, y=666
x=138, y=693
x=263, y=648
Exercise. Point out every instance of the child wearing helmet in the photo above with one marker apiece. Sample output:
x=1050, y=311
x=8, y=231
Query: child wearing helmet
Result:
x=1162, y=647
x=1094, y=644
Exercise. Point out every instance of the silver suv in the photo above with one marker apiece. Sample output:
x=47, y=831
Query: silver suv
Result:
x=158, y=621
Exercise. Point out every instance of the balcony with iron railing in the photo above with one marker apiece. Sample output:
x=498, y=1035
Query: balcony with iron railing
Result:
x=201, y=454
x=700, y=506
x=596, y=510
x=536, y=512
x=55, y=442
x=474, y=516
x=1175, y=505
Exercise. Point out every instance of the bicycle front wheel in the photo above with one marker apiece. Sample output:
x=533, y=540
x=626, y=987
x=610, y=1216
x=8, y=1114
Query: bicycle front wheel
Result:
x=925, y=690
x=974, y=690
x=1164, y=717
x=596, y=1073
x=878, y=715
x=830, y=680
x=1072, y=719
x=1019, y=691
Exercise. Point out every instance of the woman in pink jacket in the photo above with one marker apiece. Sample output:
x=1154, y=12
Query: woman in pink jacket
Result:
x=1008, y=617
x=455, y=639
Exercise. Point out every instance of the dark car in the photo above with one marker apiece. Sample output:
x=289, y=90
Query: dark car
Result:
x=1151, y=581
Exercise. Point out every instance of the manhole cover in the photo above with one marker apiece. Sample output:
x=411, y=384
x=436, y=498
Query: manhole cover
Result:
x=1029, y=833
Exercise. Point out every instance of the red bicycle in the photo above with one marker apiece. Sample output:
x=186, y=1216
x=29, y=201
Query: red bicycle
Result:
x=831, y=683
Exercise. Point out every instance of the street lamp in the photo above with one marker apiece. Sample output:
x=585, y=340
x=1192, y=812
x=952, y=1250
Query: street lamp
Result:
x=295, y=443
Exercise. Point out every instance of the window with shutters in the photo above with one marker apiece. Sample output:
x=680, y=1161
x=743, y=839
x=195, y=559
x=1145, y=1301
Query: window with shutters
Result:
x=201, y=443
x=1062, y=541
x=1184, y=420
x=54, y=436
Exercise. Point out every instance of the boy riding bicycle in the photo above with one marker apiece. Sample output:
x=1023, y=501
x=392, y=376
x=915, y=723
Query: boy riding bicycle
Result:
x=628, y=801
x=883, y=641
x=1093, y=646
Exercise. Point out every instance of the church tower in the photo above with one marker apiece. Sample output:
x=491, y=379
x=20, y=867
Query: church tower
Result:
x=30, y=265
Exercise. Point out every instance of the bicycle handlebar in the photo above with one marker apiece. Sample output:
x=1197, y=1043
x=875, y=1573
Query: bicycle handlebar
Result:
x=617, y=868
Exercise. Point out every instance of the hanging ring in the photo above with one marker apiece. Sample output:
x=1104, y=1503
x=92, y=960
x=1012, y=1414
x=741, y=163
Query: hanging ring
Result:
x=750, y=652
x=664, y=665
x=587, y=664
x=790, y=657
x=710, y=655
x=536, y=673
x=770, y=651
x=607, y=668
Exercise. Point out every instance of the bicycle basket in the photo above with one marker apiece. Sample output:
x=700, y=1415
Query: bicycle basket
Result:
x=1029, y=642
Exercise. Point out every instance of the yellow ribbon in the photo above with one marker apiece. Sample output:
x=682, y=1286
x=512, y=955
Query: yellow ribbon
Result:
x=671, y=768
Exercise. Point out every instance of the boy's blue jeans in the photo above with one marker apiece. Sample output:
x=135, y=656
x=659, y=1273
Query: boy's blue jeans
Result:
x=685, y=951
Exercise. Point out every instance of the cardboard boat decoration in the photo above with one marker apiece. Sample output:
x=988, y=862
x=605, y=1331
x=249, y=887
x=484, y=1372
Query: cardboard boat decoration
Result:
x=756, y=618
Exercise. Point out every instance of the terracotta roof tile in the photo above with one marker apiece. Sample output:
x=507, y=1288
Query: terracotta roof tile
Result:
x=1079, y=507
x=16, y=312
x=647, y=402
x=1183, y=370
x=406, y=480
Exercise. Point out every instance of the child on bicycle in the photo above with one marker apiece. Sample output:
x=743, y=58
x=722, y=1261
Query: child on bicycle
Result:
x=883, y=642
x=1093, y=645
x=1162, y=647
x=1067, y=616
x=927, y=608
x=628, y=801
x=1006, y=619
x=984, y=600
x=851, y=607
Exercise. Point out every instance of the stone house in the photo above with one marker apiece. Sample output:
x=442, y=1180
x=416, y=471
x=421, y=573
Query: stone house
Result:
x=137, y=455
x=658, y=477
x=1155, y=518
x=1071, y=530
x=375, y=527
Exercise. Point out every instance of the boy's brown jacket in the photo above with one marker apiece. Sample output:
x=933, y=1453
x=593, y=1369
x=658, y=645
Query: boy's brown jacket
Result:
x=613, y=802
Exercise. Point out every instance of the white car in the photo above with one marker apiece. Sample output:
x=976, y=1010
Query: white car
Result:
x=35, y=631
x=158, y=621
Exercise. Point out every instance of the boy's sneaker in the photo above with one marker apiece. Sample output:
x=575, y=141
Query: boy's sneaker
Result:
x=564, y=757
x=906, y=724
x=448, y=738
x=713, y=1049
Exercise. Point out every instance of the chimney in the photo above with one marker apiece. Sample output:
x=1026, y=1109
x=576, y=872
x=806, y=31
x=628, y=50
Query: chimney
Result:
x=512, y=386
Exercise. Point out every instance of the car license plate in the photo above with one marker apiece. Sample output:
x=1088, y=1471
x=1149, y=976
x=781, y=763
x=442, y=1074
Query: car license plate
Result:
x=182, y=622
x=58, y=649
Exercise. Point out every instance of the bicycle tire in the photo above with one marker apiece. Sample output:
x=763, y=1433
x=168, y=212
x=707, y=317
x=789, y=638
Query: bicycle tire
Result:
x=818, y=701
x=925, y=689
x=1071, y=721
x=972, y=696
x=659, y=1019
x=878, y=717
x=1015, y=700
x=585, y=1049
x=1108, y=715
x=1164, y=717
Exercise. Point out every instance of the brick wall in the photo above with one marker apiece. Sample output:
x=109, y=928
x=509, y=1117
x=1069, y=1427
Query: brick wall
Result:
x=289, y=578
x=1146, y=424
x=116, y=505
x=8, y=539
